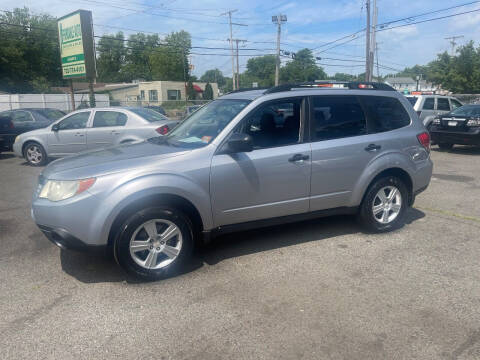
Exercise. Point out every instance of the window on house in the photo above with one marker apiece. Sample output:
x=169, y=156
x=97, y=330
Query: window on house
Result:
x=153, y=95
x=142, y=94
x=173, y=95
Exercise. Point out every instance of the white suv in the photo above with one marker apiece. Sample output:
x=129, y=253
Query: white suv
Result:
x=429, y=106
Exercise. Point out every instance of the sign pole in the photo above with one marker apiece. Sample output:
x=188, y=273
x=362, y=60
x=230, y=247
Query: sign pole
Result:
x=72, y=94
x=91, y=93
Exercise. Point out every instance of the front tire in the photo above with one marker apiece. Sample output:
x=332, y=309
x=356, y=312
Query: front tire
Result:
x=154, y=243
x=384, y=205
x=35, y=154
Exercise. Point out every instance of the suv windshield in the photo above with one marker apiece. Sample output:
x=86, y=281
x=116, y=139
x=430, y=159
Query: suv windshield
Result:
x=206, y=123
x=149, y=114
x=467, y=110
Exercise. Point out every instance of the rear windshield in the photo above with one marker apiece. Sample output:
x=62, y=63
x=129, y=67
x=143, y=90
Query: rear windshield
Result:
x=149, y=114
x=413, y=100
x=51, y=114
x=467, y=110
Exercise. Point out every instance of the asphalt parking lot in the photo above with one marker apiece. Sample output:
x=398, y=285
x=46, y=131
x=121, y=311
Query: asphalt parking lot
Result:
x=313, y=290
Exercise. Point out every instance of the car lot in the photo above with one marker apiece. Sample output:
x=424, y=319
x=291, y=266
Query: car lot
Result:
x=318, y=289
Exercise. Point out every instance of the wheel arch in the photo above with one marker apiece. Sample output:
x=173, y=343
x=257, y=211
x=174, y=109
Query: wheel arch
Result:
x=173, y=200
x=30, y=141
x=403, y=175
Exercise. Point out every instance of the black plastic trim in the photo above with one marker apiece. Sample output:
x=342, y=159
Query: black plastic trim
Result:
x=66, y=241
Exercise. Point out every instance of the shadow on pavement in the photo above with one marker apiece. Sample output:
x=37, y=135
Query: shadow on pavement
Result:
x=6, y=156
x=88, y=268
x=460, y=149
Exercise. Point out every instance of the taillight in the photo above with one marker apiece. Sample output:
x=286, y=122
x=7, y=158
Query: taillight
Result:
x=424, y=139
x=163, y=130
x=11, y=126
x=419, y=113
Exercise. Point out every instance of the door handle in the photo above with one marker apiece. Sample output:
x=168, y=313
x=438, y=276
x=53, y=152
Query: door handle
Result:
x=373, y=147
x=299, y=158
x=79, y=134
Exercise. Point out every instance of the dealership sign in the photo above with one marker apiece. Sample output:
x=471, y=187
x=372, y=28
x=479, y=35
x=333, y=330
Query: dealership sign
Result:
x=75, y=34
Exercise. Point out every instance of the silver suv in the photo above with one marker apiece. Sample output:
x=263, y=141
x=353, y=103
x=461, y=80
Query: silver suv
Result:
x=237, y=163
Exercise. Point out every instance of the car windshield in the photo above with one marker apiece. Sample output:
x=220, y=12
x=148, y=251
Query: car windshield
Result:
x=149, y=114
x=467, y=110
x=51, y=114
x=412, y=99
x=206, y=123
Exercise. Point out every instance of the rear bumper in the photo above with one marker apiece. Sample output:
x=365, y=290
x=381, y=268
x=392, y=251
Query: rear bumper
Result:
x=64, y=240
x=461, y=138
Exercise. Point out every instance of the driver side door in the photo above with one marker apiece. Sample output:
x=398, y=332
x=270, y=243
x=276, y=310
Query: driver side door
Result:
x=272, y=180
x=71, y=135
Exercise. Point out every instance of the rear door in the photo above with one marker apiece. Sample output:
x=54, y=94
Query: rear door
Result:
x=339, y=149
x=428, y=107
x=71, y=135
x=107, y=127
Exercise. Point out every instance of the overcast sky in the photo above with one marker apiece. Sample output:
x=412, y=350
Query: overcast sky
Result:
x=310, y=24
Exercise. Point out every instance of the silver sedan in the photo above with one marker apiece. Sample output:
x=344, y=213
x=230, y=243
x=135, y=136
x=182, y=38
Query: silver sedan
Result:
x=90, y=129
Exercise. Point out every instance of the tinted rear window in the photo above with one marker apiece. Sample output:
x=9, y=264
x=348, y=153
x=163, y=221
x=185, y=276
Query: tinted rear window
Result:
x=443, y=104
x=149, y=114
x=385, y=113
x=429, y=104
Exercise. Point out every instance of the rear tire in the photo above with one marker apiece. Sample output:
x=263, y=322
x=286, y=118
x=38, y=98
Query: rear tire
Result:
x=35, y=154
x=154, y=243
x=384, y=205
x=445, y=146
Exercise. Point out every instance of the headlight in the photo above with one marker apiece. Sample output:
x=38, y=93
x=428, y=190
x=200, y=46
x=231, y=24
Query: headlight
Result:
x=17, y=138
x=56, y=190
x=473, y=122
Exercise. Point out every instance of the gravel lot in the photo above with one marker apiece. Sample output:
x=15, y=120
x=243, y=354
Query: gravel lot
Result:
x=312, y=290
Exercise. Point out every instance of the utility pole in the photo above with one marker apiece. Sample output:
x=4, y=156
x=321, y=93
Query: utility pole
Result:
x=453, y=42
x=238, y=65
x=376, y=59
x=229, y=13
x=368, y=43
x=279, y=20
x=373, y=41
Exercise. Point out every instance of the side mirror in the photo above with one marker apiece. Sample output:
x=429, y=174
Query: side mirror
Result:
x=55, y=127
x=240, y=143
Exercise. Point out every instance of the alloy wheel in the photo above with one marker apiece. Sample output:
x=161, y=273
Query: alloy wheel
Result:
x=387, y=204
x=155, y=244
x=34, y=154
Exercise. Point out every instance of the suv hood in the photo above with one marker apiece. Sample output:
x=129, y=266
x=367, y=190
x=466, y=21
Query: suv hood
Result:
x=109, y=160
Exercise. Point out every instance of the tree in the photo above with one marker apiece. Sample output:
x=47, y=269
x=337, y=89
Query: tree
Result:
x=111, y=58
x=191, y=93
x=137, y=56
x=262, y=70
x=214, y=76
x=302, y=68
x=29, y=52
x=344, y=77
x=208, y=92
x=170, y=61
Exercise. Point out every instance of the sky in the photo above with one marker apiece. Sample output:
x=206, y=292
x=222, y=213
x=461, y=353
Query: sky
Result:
x=310, y=24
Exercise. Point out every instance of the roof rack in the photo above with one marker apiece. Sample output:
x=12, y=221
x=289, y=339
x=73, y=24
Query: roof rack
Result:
x=247, y=89
x=353, y=85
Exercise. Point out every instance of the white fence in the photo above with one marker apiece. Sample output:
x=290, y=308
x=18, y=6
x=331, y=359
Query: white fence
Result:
x=57, y=101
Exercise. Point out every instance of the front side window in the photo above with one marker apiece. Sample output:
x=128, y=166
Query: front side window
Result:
x=385, y=113
x=153, y=95
x=429, y=104
x=200, y=128
x=75, y=121
x=274, y=124
x=173, y=95
x=336, y=117
x=442, y=104
x=109, y=118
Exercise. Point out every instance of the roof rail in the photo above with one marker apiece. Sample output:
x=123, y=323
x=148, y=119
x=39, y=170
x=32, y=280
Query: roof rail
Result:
x=247, y=89
x=353, y=85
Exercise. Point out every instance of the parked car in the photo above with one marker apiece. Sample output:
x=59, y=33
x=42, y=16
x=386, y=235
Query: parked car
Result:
x=90, y=129
x=353, y=149
x=461, y=126
x=18, y=121
x=159, y=109
x=430, y=106
x=190, y=110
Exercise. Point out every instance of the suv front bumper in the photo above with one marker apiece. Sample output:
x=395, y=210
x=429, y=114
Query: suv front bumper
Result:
x=66, y=241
